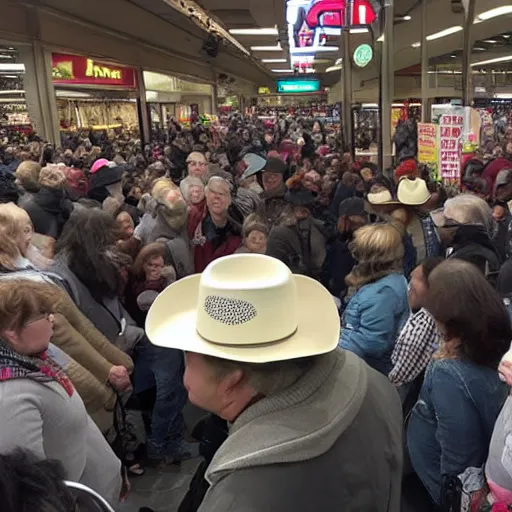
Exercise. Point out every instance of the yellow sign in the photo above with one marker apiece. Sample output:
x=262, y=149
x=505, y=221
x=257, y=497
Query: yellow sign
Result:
x=427, y=143
x=96, y=71
x=263, y=90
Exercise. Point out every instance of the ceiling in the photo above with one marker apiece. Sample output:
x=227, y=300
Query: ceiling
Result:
x=272, y=15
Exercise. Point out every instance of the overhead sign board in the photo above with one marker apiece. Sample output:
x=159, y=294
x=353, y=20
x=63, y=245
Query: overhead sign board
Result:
x=363, y=55
x=297, y=86
x=263, y=90
x=78, y=70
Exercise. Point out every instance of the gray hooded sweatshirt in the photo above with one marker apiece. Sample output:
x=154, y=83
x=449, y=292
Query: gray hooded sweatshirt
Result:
x=330, y=442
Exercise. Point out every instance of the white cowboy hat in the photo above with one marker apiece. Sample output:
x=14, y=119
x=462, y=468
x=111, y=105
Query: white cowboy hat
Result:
x=382, y=197
x=413, y=192
x=246, y=307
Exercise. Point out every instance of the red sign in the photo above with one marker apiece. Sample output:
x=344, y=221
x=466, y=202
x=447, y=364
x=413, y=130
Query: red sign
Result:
x=77, y=70
x=331, y=13
x=450, y=144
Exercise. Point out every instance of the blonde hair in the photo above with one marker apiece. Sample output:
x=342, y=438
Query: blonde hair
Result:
x=52, y=177
x=28, y=175
x=13, y=220
x=379, y=251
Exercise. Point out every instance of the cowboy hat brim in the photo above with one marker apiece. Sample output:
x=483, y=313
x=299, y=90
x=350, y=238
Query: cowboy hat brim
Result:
x=171, y=323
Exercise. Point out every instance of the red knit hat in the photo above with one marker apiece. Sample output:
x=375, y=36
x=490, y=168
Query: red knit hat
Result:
x=406, y=168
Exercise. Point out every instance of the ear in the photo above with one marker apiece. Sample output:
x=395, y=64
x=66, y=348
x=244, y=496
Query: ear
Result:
x=231, y=382
x=9, y=335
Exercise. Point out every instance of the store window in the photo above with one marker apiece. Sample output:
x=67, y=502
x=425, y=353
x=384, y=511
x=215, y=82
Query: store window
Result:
x=95, y=95
x=13, y=106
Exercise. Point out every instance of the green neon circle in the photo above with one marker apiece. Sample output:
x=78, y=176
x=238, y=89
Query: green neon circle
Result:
x=363, y=55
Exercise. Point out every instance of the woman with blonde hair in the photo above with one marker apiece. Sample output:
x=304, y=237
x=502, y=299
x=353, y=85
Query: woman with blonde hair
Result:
x=378, y=307
x=95, y=364
x=41, y=410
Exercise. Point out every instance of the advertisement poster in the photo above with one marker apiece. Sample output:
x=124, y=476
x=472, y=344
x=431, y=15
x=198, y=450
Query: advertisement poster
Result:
x=427, y=143
x=451, y=125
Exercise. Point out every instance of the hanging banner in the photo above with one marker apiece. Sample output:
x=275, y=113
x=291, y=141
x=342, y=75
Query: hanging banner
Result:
x=451, y=125
x=427, y=143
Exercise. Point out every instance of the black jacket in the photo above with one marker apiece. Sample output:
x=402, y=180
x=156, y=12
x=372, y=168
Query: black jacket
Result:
x=49, y=209
x=473, y=244
x=338, y=263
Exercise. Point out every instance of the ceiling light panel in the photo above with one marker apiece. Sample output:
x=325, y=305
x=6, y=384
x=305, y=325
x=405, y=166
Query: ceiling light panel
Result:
x=494, y=13
x=254, y=32
x=276, y=48
x=274, y=61
x=508, y=58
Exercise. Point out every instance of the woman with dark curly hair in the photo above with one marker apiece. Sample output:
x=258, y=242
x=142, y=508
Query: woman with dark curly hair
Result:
x=452, y=422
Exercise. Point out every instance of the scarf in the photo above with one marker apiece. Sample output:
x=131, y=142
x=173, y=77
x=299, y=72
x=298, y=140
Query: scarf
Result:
x=40, y=369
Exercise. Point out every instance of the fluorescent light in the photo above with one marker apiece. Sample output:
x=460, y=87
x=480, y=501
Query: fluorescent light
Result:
x=453, y=56
x=10, y=76
x=370, y=105
x=276, y=48
x=416, y=45
x=282, y=70
x=503, y=96
x=493, y=13
x=444, y=33
x=407, y=18
x=298, y=51
x=13, y=91
x=12, y=67
x=273, y=61
x=492, y=61
x=490, y=41
x=338, y=61
x=359, y=30
x=506, y=36
x=479, y=49
x=6, y=56
x=380, y=39
x=333, y=68
x=254, y=31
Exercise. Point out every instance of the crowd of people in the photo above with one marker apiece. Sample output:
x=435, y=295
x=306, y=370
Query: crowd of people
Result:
x=345, y=327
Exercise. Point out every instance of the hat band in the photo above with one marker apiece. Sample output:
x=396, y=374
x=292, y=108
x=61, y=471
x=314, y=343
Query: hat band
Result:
x=248, y=345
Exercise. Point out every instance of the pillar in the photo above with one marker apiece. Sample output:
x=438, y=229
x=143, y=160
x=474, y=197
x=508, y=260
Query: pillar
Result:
x=347, y=80
x=467, y=77
x=425, y=114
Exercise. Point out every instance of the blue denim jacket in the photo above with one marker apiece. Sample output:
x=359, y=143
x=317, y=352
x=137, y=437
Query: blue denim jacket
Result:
x=373, y=319
x=452, y=422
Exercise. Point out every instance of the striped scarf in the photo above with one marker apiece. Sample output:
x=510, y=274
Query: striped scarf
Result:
x=41, y=369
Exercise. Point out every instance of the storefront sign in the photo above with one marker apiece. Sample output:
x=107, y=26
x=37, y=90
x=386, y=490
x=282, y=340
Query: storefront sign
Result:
x=291, y=86
x=77, y=70
x=451, y=124
x=363, y=55
x=427, y=143
x=263, y=90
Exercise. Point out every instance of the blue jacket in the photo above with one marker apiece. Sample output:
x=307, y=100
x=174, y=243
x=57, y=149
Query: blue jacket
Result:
x=373, y=319
x=452, y=422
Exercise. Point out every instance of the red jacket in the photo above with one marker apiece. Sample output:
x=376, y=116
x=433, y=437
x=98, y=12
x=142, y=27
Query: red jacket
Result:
x=204, y=251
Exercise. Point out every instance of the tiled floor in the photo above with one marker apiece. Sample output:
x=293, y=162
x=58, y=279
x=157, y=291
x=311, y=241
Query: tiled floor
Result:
x=161, y=490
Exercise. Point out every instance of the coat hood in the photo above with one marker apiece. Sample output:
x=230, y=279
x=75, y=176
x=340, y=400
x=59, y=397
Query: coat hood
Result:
x=300, y=423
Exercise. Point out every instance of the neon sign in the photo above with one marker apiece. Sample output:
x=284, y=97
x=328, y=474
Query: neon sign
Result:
x=98, y=71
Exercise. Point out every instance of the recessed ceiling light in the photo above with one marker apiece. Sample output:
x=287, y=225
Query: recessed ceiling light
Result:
x=358, y=30
x=338, y=62
x=276, y=48
x=333, y=68
x=493, y=13
x=254, y=31
x=380, y=39
x=416, y=45
x=506, y=36
x=273, y=61
x=453, y=56
x=407, y=18
x=492, y=61
x=479, y=49
x=490, y=41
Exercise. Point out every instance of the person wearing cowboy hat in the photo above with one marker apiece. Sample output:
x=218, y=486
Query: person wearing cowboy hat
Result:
x=305, y=417
x=273, y=203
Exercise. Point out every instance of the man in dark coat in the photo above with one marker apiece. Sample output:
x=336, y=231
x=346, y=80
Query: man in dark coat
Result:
x=273, y=203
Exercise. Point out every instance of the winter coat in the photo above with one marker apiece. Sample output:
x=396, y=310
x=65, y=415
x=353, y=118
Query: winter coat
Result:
x=373, y=318
x=308, y=447
x=209, y=241
x=473, y=244
x=301, y=246
x=92, y=356
x=272, y=206
x=338, y=264
x=49, y=209
x=178, y=251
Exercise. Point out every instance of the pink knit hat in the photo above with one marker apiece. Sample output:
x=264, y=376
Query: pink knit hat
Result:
x=96, y=166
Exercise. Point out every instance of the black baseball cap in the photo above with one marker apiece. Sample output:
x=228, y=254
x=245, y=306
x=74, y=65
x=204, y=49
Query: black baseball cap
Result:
x=352, y=206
